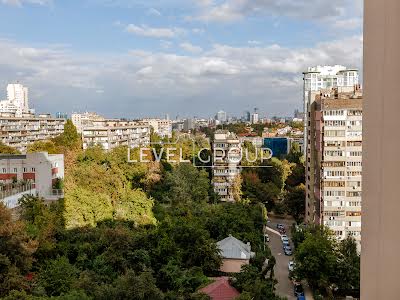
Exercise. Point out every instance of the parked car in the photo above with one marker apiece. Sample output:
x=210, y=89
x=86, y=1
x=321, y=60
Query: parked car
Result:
x=298, y=290
x=280, y=226
x=282, y=231
x=287, y=250
x=285, y=243
x=284, y=237
x=266, y=237
x=291, y=266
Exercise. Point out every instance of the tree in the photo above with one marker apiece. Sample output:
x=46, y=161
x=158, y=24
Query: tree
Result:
x=70, y=137
x=316, y=259
x=295, y=202
x=57, y=276
x=186, y=184
x=43, y=146
x=4, y=149
x=86, y=208
x=348, y=267
x=16, y=253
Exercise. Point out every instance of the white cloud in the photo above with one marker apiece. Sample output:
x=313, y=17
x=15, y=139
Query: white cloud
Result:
x=233, y=10
x=157, y=32
x=254, y=42
x=153, y=12
x=22, y=2
x=348, y=24
x=157, y=82
x=191, y=48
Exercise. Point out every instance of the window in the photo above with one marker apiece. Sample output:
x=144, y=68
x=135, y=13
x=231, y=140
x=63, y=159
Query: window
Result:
x=353, y=213
x=25, y=170
x=333, y=184
x=354, y=164
x=33, y=169
x=15, y=170
x=335, y=133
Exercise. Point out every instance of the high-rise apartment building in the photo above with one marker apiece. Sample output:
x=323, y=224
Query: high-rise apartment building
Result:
x=17, y=101
x=334, y=162
x=227, y=155
x=324, y=77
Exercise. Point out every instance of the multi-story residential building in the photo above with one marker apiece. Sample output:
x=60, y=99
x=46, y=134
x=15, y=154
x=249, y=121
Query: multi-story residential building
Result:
x=86, y=119
x=324, y=77
x=163, y=127
x=113, y=133
x=33, y=173
x=226, y=164
x=19, y=132
x=334, y=156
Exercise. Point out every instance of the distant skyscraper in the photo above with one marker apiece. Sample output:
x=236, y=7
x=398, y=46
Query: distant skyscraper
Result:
x=17, y=100
x=221, y=116
x=188, y=124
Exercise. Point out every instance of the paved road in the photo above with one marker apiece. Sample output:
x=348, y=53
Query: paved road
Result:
x=284, y=288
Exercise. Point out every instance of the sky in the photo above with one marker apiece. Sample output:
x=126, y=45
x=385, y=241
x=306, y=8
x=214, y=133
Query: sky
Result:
x=138, y=58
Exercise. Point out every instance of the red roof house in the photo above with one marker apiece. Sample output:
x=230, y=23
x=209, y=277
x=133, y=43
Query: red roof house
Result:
x=220, y=289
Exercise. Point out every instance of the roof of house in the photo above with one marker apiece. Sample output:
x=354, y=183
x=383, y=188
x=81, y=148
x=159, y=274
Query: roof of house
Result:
x=233, y=248
x=220, y=289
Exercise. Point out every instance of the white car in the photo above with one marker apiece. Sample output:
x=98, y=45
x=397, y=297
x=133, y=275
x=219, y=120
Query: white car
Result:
x=291, y=265
x=284, y=238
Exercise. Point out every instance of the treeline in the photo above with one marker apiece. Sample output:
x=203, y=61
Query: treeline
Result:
x=126, y=231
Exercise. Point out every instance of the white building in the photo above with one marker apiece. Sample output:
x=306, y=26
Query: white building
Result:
x=86, y=119
x=163, y=127
x=17, y=101
x=254, y=118
x=33, y=173
x=227, y=156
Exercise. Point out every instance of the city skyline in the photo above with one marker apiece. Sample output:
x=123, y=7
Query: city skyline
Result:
x=186, y=58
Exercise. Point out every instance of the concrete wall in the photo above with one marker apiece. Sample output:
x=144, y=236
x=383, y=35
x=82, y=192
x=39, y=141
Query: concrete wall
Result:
x=233, y=265
x=380, y=264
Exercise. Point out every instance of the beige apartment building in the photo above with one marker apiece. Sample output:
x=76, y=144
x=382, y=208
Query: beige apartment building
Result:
x=334, y=171
x=162, y=127
x=227, y=156
x=19, y=132
x=110, y=133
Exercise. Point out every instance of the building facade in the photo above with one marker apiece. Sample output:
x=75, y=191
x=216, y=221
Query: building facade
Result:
x=226, y=169
x=162, y=127
x=17, y=100
x=324, y=77
x=20, y=132
x=33, y=173
x=334, y=171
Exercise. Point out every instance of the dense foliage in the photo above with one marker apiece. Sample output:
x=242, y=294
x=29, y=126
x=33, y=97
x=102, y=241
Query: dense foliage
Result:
x=126, y=231
x=330, y=267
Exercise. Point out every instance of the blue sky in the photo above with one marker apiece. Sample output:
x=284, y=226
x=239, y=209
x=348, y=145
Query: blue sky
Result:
x=148, y=58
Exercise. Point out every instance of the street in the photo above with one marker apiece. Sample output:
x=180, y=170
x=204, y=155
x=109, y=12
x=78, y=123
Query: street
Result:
x=284, y=288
